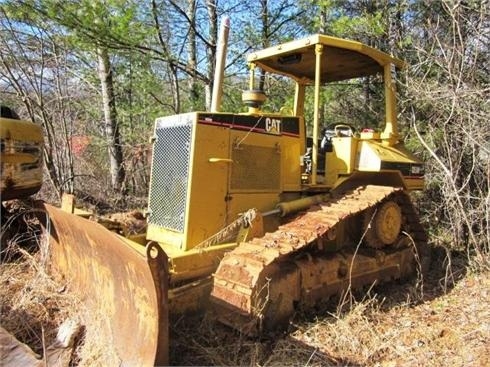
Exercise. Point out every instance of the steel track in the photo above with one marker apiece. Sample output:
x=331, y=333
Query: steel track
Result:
x=259, y=284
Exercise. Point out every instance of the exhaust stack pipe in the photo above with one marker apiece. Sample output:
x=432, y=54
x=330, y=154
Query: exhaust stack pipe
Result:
x=390, y=133
x=220, y=64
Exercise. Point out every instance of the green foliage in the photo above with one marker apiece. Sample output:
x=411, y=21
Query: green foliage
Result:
x=138, y=91
x=93, y=22
x=370, y=25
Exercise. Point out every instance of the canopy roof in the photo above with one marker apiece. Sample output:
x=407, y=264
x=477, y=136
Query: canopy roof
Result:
x=341, y=59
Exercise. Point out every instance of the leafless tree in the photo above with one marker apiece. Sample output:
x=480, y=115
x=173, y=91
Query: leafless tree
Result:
x=33, y=68
x=448, y=97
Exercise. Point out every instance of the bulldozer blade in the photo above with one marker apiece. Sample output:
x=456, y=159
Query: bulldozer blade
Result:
x=126, y=288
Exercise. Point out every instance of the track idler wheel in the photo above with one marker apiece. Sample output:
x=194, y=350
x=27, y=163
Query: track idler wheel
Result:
x=383, y=224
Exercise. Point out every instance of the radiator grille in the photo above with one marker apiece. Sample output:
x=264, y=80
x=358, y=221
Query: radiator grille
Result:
x=170, y=173
x=256, y=168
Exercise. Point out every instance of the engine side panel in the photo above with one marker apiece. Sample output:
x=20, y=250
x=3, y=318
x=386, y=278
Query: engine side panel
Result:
x=208, y=168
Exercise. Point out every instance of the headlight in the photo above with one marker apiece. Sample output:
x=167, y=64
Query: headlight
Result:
x=417, y=170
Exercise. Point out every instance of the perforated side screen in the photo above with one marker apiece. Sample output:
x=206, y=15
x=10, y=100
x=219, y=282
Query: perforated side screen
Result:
x=170, y=172
x=256, y=168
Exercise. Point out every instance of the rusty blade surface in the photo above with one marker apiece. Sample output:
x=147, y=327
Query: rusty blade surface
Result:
x=126, y=289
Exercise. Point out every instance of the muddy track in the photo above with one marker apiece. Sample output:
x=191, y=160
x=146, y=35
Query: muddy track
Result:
x=268, y=276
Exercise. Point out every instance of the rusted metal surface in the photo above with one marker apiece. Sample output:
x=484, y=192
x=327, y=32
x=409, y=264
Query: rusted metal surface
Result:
x=258, y=284
x=125, y=288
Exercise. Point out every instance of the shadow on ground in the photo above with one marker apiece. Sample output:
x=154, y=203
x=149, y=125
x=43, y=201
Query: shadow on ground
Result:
x=212, y=344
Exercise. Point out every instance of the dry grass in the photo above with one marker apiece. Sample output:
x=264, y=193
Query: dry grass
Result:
x=393, y=325
x=451, y=330
x=34, y=303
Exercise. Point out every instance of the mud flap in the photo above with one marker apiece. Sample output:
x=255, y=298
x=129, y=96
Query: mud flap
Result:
x=127, y=287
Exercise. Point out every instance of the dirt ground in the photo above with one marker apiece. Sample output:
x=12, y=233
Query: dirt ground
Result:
x=438, y=320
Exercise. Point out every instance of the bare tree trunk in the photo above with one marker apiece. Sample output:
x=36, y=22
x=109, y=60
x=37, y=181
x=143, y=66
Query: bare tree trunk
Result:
x=175, y=88
x=192, y=57
x=110, y=120
x=68, y=184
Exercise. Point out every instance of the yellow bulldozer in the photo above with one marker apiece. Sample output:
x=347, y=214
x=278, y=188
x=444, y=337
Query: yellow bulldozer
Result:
x=251, y=217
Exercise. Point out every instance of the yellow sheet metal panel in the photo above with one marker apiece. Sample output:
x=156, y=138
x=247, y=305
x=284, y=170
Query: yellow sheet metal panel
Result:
x=256, y=168
x=266, y=153
x=239, y=202
x=206, y=208
x=159, y=234
x=188, y=187
x=195, y=263
x=372, y=151
x=368, y=158
x=201, y=160
x=291, y=164
x=375, y=156
x=342, y=158
x=20, y=130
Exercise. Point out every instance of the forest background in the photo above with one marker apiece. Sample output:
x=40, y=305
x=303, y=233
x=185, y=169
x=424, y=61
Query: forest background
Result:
x=95, y=74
